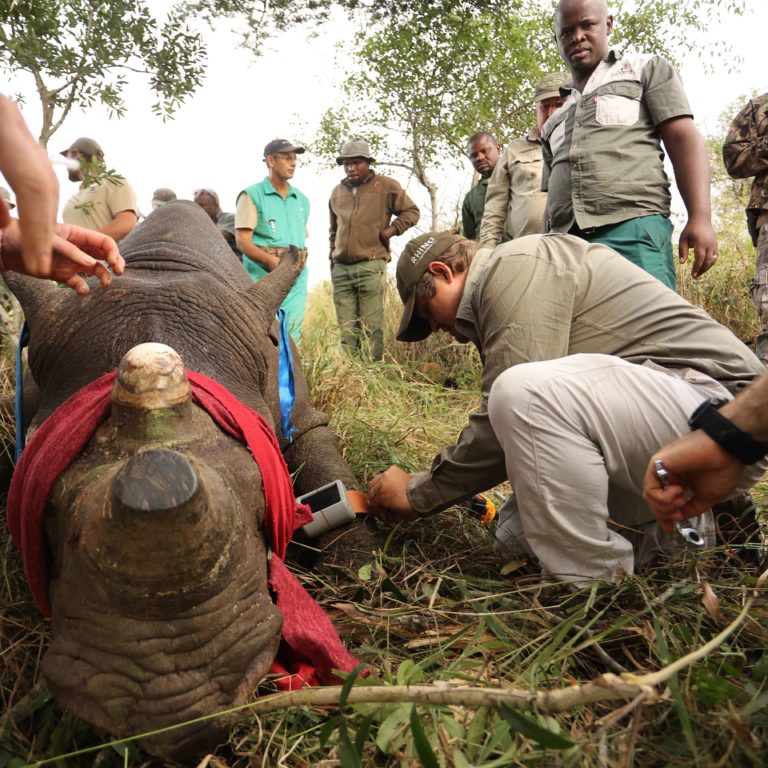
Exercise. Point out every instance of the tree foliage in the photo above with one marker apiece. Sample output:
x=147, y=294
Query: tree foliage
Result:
x=79, y=52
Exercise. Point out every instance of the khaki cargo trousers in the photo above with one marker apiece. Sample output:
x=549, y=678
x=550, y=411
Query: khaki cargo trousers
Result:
x=358, y=295
x=577, y=434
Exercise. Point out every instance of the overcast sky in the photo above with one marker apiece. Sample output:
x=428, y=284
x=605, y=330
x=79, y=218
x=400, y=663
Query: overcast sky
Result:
x=216, y=139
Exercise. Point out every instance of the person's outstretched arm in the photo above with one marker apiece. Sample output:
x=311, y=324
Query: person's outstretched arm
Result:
x=74, y=252
x=701, y=473
x=26, y=166
x=34, y=244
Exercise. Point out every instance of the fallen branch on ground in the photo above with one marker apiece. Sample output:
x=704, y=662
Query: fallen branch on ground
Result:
x=606, y=687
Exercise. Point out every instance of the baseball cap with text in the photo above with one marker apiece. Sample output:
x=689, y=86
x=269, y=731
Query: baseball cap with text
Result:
x=277, y=146
x=412, y=264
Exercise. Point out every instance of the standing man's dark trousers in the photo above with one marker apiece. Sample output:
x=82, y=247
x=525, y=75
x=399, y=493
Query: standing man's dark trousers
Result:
x=358, y=295
x=759, y=286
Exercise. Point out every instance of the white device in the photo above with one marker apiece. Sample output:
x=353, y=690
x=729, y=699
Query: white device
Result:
x=330, y=508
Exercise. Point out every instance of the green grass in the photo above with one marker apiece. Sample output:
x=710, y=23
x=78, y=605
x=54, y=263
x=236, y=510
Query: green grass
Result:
x=433, y=607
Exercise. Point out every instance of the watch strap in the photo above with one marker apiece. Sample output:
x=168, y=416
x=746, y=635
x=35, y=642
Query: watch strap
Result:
x=726, y=434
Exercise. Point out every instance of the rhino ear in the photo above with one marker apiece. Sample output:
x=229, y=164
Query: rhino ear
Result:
x=37, y=297
x=267, y=294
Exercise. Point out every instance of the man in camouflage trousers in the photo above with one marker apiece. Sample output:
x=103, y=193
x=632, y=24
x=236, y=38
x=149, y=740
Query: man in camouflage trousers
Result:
x=745, y=154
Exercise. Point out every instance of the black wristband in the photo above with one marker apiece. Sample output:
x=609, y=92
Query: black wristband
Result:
x=725, y=433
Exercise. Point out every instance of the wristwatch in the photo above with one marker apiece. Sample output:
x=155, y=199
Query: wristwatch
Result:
x=725, y=433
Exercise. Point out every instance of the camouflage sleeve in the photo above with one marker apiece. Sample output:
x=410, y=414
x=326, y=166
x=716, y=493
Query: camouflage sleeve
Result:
x=745, y=151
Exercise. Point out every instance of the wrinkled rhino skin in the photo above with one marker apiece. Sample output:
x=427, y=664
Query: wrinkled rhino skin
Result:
x=160, y=611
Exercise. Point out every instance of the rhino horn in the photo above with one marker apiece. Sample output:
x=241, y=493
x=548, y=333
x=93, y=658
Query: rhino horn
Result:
x=161, y=536
x=165, y=539
x=151, y=376
x=267, y=294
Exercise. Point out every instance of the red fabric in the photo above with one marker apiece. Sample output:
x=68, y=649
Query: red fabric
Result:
x=308, y=637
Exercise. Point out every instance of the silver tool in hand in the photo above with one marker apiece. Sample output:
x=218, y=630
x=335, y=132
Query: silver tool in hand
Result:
x=687, y=532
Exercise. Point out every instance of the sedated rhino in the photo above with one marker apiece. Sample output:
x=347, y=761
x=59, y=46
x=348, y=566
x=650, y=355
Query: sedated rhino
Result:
x=155, y=562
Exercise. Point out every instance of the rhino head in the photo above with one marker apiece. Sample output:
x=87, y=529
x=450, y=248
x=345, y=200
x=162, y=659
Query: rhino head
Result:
x=157, y=562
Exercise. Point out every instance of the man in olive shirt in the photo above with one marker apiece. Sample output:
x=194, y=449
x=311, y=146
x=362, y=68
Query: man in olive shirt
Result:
x=589, y=364
x=104, y=202
x=483, y=152
x=515, y=202
x=603, y=160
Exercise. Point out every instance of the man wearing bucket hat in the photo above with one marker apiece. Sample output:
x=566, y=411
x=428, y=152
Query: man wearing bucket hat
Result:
x=271, y=216
x=514, y=202
x=162, y=196
x=581, y=383
x=367, y=210
x=105, y=202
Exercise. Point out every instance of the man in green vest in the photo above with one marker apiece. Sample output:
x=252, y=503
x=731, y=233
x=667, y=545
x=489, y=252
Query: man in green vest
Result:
x=271, y=216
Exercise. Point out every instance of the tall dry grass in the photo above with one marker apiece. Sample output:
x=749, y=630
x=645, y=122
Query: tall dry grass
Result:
x=724, y=290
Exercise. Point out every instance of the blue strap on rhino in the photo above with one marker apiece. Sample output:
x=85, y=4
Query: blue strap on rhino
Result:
x=285, y=384
x=18, y=406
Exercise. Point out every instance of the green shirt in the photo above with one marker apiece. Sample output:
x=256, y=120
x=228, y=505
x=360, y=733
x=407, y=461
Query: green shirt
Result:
x=472, y=210
x=603, y=161
x=281, y=221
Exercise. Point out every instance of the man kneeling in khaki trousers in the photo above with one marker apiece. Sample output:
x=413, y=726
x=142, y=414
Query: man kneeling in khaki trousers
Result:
x=589, y=366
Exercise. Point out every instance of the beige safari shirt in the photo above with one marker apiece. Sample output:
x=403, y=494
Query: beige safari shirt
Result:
x=548, y=296
x=514, y=202
x=603, y=161
x=94, y=207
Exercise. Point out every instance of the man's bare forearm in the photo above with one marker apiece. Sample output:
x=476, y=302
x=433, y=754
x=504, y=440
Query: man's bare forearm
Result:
x=120, y=226
x=688, y=154
x=749, y=411
x=248, y=248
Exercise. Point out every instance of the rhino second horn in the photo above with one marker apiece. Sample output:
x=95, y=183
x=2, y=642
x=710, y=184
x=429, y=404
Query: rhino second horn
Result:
x=157, y=481
x=165, y=538
x=151, y=376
